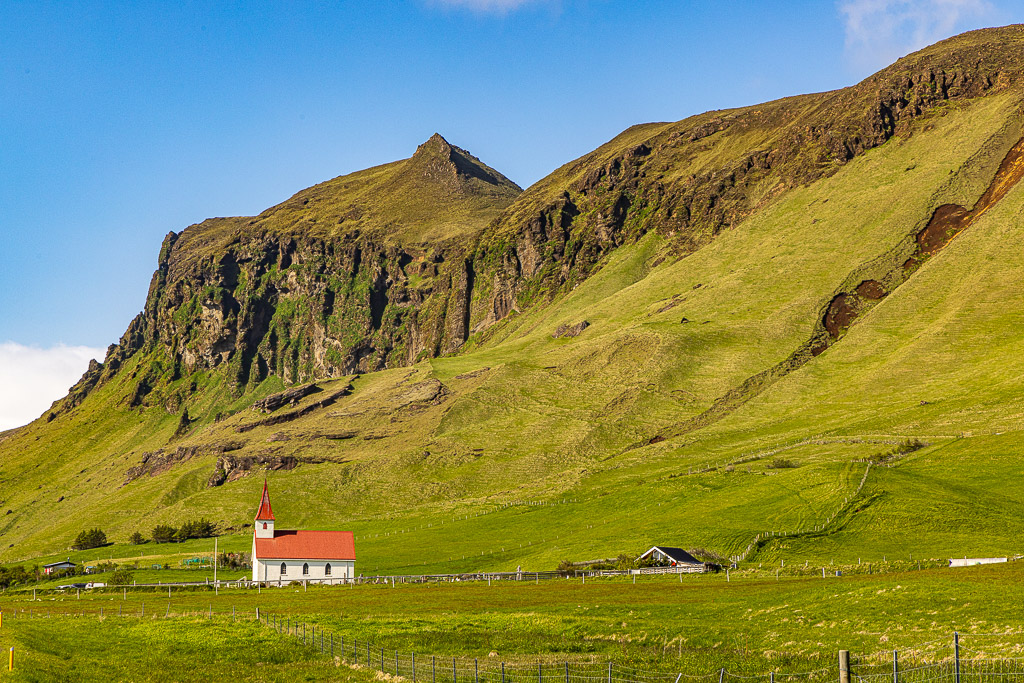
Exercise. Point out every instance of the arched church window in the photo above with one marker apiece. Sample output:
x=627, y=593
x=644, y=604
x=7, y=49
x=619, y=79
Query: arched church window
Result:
x=284, y=569
x=305, y=568
x=327, y=569
x=264, y=525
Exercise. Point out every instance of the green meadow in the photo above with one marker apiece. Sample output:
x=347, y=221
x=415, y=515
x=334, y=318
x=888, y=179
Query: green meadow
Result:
x=751, y=622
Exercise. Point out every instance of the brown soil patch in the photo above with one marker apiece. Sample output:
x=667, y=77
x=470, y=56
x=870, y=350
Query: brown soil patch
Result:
x=946, y=222
x=950, y=219
x=840, y=315
x=871, y=289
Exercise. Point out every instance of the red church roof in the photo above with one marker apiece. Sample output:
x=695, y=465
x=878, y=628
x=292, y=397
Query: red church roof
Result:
x=265, y=513
x=307, y=545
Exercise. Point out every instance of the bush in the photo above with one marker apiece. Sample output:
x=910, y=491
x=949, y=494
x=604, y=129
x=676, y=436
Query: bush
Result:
x=782, y=464
x=909, y=446
x=136, y=538
x=120, y=577
x=93, y=538
x=13, y=576
x=234, y=561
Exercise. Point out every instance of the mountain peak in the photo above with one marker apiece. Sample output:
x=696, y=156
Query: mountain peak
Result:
x=440, y=160
x=435, y=144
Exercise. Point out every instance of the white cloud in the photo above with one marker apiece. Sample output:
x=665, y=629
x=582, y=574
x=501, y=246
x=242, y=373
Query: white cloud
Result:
x=32, y=378
x=878, y=32
x=487, y=6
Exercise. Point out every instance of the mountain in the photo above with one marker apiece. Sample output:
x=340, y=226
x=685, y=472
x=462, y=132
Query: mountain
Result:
x=797, y=316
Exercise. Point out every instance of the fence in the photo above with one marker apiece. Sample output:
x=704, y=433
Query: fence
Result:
x=884, y=667
x=947, y=661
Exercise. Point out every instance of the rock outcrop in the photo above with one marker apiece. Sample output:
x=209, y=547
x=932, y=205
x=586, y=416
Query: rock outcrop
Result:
x=409, y=260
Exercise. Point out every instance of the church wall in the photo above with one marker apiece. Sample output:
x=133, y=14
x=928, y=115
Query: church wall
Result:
x=270, y=571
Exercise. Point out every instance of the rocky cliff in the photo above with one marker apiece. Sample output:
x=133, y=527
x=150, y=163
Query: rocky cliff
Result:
x=409, y=260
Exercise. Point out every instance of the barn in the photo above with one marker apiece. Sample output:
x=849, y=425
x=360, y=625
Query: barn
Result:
x=280, y=556
x=673, y=557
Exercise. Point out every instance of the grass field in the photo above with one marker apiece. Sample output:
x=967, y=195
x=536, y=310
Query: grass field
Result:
x=749, y=622
x=184, y=649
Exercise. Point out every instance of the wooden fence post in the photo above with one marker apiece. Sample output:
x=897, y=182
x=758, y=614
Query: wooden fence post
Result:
x=895, y=667
x=844, y=666
x=956, y=656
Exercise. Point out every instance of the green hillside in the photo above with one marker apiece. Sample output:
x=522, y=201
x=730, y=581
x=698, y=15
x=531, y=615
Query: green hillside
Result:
x=758, y=346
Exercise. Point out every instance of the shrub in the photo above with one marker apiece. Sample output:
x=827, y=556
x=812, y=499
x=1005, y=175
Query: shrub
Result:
x=909, y=446
x=120, y=577
x=13, y=576
x=163, y=533
x=234, y=561
x=92, y=538
x=136, y=538
x=782, y=464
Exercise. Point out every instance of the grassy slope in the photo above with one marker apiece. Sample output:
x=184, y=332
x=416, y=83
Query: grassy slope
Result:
x=558, y=420
x=417, y=202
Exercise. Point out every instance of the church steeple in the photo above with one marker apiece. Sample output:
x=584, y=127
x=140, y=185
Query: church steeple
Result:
x=265, y=516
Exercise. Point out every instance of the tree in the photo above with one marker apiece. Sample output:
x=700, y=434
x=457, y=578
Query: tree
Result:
x=93, y=538
x=163, y=533
x=204, y=528
x=136, y=538
x=120, y=577
x=185, y=532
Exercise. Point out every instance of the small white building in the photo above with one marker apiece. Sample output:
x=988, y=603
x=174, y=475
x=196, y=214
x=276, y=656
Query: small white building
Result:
x=971, y=561
x=281, y=556
x=673, y=557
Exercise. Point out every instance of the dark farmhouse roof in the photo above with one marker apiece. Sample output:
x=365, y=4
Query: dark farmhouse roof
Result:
x=62, y=563
x=677, y=555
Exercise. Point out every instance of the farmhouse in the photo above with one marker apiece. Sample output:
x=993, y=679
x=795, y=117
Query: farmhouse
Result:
x=281, y=556
x=58, y=566
x=673, y=557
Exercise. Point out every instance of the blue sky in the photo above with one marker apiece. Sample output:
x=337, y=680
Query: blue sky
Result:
x=122, y=121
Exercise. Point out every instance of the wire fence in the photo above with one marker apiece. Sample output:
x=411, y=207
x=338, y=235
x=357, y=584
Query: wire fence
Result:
x=920, y=665
x=985, y=658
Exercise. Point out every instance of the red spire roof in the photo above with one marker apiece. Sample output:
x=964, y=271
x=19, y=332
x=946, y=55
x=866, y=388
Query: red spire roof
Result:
x=265, y=513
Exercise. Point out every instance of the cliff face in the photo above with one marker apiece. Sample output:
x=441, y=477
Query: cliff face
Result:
x=410, y=259
x=692, y=179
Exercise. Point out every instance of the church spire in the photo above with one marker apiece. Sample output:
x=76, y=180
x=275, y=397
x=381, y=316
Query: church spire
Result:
x=265, y=513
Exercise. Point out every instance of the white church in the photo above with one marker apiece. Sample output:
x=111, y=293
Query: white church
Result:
x=280, y=556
